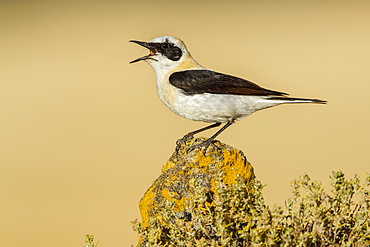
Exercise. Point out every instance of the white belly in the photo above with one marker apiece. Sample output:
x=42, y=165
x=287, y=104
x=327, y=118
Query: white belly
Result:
x=214, y=107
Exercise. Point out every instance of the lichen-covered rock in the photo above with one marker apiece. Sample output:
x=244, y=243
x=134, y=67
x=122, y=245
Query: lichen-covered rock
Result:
x=216, y=201
x=225, y=165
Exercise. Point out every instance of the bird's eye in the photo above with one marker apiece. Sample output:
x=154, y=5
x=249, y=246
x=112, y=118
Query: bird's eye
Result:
x=164, y=45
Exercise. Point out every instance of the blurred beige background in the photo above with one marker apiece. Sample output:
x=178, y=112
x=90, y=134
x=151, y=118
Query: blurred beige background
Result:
x=83, y=133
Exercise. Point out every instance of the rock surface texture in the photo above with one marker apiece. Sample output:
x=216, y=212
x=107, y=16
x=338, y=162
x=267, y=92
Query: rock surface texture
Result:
x=184, y=169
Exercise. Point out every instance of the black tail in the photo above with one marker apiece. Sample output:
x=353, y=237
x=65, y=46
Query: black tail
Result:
x=298, y=100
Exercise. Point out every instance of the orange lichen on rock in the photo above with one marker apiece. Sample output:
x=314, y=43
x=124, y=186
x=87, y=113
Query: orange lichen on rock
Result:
x=173, y=185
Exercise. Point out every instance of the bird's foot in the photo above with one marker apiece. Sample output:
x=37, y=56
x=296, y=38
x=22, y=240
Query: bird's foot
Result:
x=206, y=144
x=183, y=140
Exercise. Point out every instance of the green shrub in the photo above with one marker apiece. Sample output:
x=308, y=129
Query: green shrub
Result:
x=89, y=241
x=237, y=216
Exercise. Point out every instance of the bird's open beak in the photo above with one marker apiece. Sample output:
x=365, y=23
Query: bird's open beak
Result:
x=151, y=48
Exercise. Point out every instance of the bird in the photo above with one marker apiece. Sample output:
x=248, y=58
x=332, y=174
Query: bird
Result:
x=194, y=92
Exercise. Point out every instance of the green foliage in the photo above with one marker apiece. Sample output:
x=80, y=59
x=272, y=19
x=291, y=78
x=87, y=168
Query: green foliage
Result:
x=89, y=241
x=237, y=216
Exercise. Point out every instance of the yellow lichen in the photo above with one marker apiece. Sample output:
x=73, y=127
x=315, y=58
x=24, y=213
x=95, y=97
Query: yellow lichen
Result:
x=183, y=167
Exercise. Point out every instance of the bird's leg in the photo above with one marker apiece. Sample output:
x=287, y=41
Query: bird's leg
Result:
x=191, y=134
x=211, y=140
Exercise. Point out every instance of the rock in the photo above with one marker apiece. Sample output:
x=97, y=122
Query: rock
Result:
x=174, y=185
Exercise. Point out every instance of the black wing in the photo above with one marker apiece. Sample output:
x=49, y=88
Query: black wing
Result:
x=207, y=81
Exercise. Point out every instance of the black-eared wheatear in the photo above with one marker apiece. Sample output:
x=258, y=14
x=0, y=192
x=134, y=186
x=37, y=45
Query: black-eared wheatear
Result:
x=196, y=93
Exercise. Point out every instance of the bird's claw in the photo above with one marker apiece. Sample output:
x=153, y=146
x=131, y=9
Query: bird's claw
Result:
x=206, y=144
